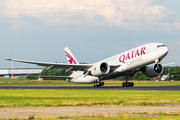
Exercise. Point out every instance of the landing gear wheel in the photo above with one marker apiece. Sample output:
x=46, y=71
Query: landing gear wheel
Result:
x=101, y=84
x=127, y=84
x=98, y=84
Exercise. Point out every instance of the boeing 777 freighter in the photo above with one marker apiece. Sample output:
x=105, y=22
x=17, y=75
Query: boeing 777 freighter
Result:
x=146, y=58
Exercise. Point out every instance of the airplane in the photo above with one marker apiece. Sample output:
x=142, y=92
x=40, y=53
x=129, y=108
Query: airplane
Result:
x=168, y=76
x=146, y=58
x=165, y=77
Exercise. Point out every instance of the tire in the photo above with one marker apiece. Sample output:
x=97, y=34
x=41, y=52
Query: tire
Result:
x=101, y=83
x=123, y=84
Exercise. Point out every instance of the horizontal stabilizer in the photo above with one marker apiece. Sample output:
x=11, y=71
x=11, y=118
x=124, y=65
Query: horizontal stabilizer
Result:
x=55, y=77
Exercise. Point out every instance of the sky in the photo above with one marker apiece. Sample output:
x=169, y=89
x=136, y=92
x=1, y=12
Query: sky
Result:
x=39, y=30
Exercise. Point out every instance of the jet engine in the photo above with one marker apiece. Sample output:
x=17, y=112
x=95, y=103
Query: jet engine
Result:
x=99, y=69
x=154, y=70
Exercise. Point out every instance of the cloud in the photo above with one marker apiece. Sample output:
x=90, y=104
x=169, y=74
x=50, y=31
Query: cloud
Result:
x=127, y=14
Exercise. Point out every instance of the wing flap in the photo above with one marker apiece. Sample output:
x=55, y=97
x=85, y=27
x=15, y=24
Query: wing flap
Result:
x=56, y=77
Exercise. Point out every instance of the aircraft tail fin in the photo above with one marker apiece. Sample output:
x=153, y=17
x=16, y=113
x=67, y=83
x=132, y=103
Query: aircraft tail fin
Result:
x=70, y=57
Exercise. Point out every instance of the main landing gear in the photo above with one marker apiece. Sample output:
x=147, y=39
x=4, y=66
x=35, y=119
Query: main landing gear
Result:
x=98, y=84
x=127, y=84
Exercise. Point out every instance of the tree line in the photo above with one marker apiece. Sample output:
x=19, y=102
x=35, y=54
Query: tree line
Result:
x=138, y=76
x=50, y=72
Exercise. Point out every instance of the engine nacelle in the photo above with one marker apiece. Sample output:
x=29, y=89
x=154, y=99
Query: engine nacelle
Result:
x=99, y=69
x=154, y=70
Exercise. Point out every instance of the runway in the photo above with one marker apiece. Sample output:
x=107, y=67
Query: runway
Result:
x=146, y=88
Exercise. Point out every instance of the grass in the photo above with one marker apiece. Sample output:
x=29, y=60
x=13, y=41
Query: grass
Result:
x=25, y=82
x=16, y=98
x=10, y=98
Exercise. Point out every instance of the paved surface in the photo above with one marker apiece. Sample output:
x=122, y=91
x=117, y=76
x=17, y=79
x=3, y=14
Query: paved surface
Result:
x=25, y=112
x=149, y=88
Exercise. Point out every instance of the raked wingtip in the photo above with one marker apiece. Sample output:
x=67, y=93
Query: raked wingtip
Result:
x=7, y=59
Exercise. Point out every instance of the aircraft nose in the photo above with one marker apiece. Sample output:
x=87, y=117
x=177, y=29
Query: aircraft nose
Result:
x=166, y=51
x=163, y=52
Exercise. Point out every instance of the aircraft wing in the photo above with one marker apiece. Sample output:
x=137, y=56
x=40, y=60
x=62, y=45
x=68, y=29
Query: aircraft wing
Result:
x=168, y=64
x=175, y=75
x=65, y=66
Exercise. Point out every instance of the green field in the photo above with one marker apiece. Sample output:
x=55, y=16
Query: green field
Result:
x=9, y=98
x=23, y=81
x=30, y=98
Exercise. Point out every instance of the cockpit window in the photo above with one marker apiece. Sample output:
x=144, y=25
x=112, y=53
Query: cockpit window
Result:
x=161, y=46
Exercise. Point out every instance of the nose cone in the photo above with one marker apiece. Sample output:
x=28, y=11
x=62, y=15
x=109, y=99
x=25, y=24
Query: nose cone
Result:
x=162, y=52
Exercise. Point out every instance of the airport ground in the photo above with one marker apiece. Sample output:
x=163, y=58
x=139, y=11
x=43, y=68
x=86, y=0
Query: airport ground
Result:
x=88, y=104
x=25, y=82
x=91, y=112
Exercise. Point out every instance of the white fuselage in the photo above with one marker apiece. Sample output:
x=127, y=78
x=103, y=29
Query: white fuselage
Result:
x=130, y=60
x=165, y=77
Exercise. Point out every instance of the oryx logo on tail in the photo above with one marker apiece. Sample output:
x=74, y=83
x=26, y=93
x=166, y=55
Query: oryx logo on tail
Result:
x=70, y=57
